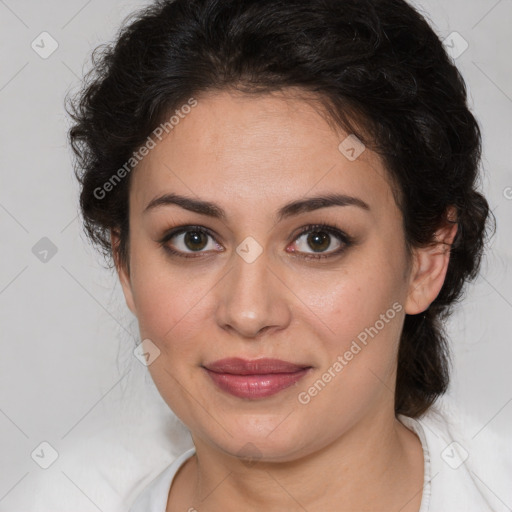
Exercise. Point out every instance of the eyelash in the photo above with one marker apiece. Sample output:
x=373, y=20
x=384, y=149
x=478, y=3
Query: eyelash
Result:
x=331, y=229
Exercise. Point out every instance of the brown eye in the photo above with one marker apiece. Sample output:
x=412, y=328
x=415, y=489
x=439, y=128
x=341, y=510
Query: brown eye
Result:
x=195, y=240
x=317, y=241
x=321, y=241
x=187, y=240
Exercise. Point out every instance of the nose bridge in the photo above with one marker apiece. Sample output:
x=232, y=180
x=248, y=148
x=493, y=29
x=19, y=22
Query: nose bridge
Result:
x=250, y=298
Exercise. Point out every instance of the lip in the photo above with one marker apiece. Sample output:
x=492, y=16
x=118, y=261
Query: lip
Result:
x=254, y=379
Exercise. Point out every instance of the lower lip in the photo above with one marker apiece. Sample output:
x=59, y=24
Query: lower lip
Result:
x=255, y=386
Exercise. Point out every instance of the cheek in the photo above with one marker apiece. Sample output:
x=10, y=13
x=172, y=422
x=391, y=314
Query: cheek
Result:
x=350, y=302
x=359, y=353
x=167, y=300
x=363, y=310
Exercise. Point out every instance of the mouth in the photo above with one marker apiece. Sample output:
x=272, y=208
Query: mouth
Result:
x=254, y=379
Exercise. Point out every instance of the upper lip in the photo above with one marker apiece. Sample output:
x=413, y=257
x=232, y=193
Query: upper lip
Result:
x=239, y=366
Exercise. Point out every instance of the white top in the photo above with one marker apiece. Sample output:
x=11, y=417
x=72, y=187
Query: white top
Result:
x=451, y=483
x=130, y=465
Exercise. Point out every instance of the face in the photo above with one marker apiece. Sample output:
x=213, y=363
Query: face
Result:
x=261, y=281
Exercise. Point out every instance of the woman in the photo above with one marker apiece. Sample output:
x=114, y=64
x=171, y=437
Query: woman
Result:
x=288, y=193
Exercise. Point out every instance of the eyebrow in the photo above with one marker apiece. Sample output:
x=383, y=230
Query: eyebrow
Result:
x=288, y=210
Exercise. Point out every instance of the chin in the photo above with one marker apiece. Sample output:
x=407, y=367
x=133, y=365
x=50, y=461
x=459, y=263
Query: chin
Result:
x=264, y=441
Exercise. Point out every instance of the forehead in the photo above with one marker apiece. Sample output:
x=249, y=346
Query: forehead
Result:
x=239, y=150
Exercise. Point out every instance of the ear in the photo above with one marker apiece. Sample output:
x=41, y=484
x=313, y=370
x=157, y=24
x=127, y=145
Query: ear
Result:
x=430, y=267
x=122, y=271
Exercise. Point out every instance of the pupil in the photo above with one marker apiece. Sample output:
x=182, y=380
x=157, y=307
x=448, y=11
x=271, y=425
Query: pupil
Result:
x=194, y=237
x=320, y=239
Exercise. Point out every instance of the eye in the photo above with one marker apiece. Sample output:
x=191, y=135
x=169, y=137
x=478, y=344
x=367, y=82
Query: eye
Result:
x=189, y=238
x=319, y=238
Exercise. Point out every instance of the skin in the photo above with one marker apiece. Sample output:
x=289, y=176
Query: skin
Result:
x=344, y=450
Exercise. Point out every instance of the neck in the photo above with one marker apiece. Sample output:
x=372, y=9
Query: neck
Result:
x=376, y=465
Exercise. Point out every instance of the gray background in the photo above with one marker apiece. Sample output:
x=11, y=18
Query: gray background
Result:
x=67, y=371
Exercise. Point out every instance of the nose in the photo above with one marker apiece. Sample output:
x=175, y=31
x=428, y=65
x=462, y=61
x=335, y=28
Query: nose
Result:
x=253, y=298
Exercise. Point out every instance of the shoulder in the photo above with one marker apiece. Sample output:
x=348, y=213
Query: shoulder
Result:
x=105, y=471
x=155, y=494
x=469, y=465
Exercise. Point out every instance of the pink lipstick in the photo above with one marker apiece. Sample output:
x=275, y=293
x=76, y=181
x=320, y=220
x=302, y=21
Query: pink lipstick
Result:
x=254, y=379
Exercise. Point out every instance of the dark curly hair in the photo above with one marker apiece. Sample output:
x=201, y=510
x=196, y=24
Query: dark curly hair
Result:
x=376, y=66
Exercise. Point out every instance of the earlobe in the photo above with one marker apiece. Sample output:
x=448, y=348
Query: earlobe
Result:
x=122, y=272
x=429, y=269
